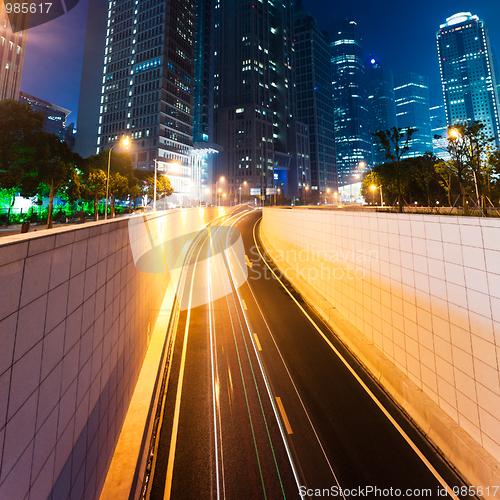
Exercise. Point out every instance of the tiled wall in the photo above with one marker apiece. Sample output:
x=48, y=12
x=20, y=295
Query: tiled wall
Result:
x=425, y=289
x=74, y=320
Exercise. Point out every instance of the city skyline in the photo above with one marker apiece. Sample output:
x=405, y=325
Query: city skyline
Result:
x=54, y=52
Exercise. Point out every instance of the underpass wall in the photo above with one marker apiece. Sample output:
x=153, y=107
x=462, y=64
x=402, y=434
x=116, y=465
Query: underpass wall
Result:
x=417, y=298
x=75, y=319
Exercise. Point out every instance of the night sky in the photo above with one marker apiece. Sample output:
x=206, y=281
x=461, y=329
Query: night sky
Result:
x=400, y=34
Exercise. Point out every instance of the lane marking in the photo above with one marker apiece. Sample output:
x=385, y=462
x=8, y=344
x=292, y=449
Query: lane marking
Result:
x=249, y=264
x=288, y=427
x=414, y=447
x=244, y=305
x=215, y=391
x=268, y=387
x=244, y=381
x=175, y=427
x=259, y=347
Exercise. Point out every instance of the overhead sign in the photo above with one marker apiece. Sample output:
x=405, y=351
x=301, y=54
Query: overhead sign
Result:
x=255, y=191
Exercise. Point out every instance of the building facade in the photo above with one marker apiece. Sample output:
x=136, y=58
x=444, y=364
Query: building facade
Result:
x=255, y=98
x=467, y=73
x=313, y=79
x=12, y=50
x=146, y=84
x=202, y=154
x=439, y=132
x=55, y=116
x=412, y=111
x=352, y=123
x=381, y=102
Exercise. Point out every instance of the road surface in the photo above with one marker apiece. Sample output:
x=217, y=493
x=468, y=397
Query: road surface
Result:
x=264, y=401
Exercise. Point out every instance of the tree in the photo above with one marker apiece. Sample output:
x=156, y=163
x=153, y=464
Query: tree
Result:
x=457, y=149
x=444, y=171
x=19, y=129
x=52, y=166
x=424, y=173
x=19, y=126
x=118, y=189
x=95, y=183
x=394, y=143
x=477, y=152
x=143, y=177
x=163, y=187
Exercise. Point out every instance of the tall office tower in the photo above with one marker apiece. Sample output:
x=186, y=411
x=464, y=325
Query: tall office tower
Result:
x=254, y=98
x=467, y=74
x=146, y=83
x=12, y=49
x=412, y=111
x=202, y=72
x=314, y=97
x=439, y=128
x=203, y=148
x=352, y=123
x=381, y=102
x=496, y=71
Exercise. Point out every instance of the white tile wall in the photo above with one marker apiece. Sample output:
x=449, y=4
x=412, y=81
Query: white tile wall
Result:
x=74, y=318
x=427, y=294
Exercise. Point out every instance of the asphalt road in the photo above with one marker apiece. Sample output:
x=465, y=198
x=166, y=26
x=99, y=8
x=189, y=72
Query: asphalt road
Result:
x=264, y=401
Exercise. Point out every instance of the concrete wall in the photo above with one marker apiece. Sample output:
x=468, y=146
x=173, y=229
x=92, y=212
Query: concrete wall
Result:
x=417, y=297
x=75, y=319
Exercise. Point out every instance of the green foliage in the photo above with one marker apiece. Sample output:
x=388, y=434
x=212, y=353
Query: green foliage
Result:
x=394, y=143
x=163, y=186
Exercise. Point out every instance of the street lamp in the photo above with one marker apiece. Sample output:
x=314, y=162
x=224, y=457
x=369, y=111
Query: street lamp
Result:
x=373, y=187
x=220, y=179
x=154, y=193
x=305, y=198
x=240, y=193
x=182, y=185
x=125, y=142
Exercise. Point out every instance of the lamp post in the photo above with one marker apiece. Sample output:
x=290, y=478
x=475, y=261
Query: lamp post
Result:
x=240, y=193
x=305, y=197
x=182, y=185
x=373, y=187
x=217, y=190
x=125, y=142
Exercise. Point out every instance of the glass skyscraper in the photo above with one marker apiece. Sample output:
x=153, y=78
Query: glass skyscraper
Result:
x=467, y=73
x=254, y=93
x=314, y=97
x=137, y=81
x=352, y=122
x=381, y=102
x=412, y=111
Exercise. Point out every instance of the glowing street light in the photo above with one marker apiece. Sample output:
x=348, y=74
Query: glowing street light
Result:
x=373, y=187
x=125, y=142
x=217, y=189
